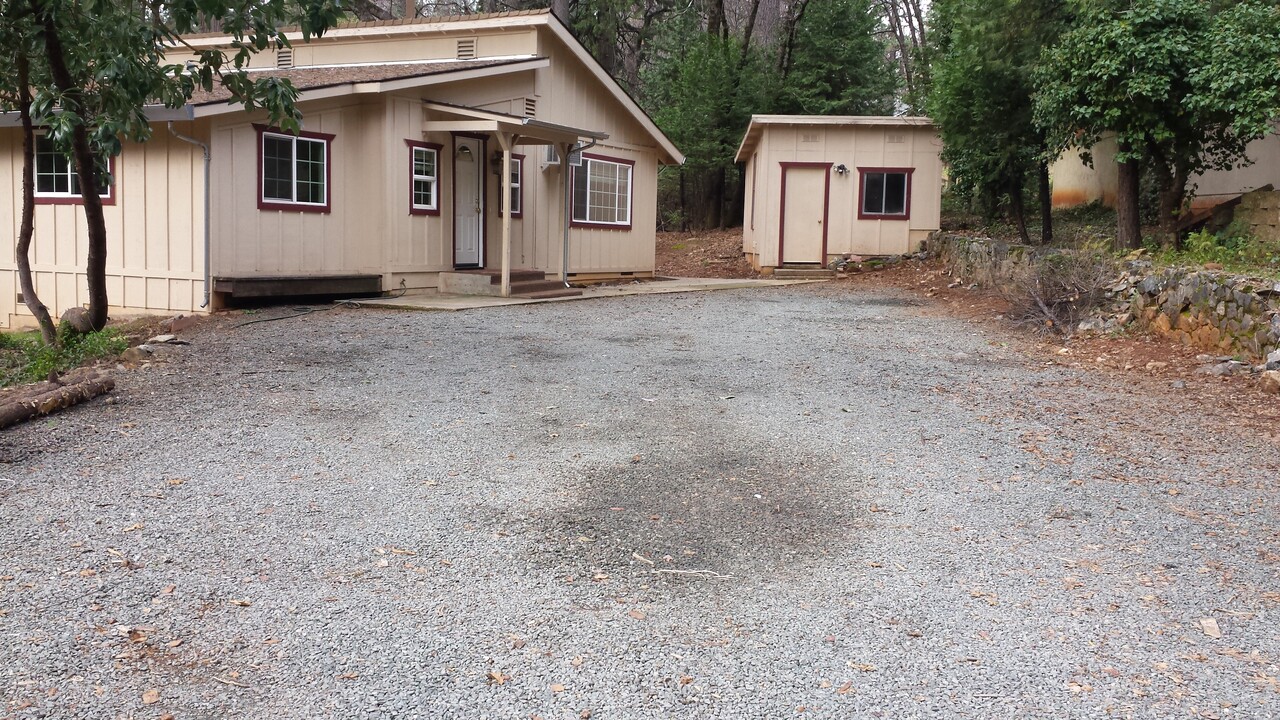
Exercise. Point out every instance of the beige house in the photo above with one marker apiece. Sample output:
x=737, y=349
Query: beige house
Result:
x=493, y=145
x=818, y=187
x=1075, y=183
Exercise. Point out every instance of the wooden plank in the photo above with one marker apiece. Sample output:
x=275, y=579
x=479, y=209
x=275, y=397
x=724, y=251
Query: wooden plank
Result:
x=284, y=286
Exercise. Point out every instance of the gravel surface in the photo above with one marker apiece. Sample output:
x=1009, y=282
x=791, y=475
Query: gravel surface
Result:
x=799, y=502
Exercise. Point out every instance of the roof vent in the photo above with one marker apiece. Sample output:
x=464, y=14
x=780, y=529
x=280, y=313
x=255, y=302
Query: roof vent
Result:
x=467, y=49
x=530, y=107
x=284, y=57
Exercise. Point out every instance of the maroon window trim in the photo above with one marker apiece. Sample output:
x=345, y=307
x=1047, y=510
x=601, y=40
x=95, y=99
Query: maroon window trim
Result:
x=862, y=187
x=782, y=207
x=519, y=214
x=327, y=207
x=107, y=200
x=631, y=195
x=439, y=177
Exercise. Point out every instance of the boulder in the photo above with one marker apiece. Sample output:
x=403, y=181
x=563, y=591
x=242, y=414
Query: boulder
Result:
x=77, y=321
x=1271, y=382
x=134, y=355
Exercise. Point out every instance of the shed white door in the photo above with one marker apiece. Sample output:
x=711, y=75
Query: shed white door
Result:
x=804, y=214
x=468, y=202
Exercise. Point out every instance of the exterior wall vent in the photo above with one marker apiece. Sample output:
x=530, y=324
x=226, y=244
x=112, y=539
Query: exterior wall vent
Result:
x=467, y=49
x=809, y=137
x=530, y=107
x=284, y=57
x=896, y=138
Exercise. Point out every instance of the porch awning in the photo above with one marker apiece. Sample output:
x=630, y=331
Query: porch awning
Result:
x=531, y=131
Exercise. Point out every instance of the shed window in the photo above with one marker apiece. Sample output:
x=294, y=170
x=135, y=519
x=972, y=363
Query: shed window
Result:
x=602, y=192
x=886, y=193
x=56, y=178
x=295, y=171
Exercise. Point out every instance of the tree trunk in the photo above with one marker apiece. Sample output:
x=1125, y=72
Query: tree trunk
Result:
x=86, y=171
x=1173, y=189
x=560, y=8
x=1128, y=224
x=1018, y=208
x=1046, y=205
x=684, y=207
x=48, y=332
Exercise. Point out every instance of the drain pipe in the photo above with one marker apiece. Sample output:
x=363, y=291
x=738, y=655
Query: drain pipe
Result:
x=568, y=209
x=203, y=146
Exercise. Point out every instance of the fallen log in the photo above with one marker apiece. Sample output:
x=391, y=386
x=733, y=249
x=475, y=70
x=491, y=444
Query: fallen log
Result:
x=59, y=397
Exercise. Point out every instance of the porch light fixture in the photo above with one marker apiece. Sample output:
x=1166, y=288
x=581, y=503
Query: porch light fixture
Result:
x=841, y=169
x=464, y=153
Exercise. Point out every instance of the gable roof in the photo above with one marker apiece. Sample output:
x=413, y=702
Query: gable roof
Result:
x=759, y=122
x=319, y=77
x=516, y=18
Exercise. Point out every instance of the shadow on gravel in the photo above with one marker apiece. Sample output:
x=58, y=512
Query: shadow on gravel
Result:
x=704, y=510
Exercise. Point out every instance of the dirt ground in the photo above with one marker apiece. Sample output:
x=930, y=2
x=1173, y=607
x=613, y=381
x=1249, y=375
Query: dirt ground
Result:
x=709, y=253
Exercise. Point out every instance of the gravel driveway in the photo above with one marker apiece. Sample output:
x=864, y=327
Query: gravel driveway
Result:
x=802, y=502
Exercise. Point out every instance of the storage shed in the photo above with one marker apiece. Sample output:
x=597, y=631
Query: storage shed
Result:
x=818, y=187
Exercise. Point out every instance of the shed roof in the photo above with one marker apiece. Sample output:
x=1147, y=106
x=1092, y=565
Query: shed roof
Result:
x=759, y=122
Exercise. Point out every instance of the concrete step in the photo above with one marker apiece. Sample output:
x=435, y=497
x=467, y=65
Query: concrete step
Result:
x=803, y=273
x=545, y=294
x=528, y=286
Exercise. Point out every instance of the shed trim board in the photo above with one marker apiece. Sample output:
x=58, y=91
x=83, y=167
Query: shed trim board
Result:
x=782, y=210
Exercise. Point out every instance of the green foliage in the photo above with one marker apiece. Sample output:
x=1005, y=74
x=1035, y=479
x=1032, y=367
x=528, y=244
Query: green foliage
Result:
x=25, y=358
x=838, y=64
x=1165, y=77
x=982, y=91
x=115, y=55
x=1234, y=248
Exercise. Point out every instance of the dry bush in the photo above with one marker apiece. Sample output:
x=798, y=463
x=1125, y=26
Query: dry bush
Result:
x=1055, y=290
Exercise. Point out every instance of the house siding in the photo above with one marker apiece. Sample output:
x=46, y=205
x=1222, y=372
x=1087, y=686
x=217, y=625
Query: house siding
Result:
x=155, y=232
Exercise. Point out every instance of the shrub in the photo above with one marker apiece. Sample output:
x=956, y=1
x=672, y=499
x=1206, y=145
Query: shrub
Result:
x=1056, y=290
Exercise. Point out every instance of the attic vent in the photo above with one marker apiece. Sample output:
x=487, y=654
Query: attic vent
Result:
x=530, y=107
x=467, y=49
x=809, y=137
x=284, y=57
x=896, y=138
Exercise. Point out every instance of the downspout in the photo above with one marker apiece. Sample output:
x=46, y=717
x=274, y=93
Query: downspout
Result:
x=208, y=283
x=568, y=208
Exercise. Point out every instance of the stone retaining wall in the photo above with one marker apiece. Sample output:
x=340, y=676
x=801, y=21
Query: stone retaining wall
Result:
x=1259, y=211
x=1213, y=310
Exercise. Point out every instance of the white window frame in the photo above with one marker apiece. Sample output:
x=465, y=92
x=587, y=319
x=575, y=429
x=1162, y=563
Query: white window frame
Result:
x=517, y=187
x=274, y=202
x=72, y=193
x=588, y=163
x=432, y=180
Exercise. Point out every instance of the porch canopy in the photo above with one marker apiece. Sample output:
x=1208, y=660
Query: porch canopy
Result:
x=510, y=130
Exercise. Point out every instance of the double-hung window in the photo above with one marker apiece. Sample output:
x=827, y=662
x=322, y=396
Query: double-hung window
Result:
x=602, y=193
x=424, y=178
x=886, y=193
x=295, y=171
x=56, y=179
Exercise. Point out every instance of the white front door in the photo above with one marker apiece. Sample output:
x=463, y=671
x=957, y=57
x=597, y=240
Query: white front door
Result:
x=468, y=202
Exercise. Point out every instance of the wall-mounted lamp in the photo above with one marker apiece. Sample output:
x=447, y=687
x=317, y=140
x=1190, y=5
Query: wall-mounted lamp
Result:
x=841, y=169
